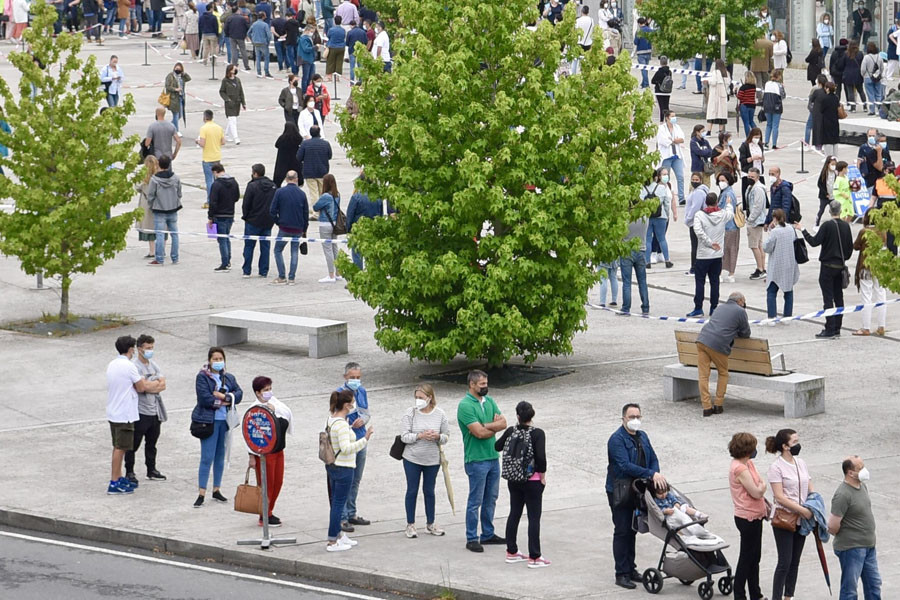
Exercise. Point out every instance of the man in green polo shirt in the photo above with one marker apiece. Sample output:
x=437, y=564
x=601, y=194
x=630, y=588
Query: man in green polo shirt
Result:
x=479, y=419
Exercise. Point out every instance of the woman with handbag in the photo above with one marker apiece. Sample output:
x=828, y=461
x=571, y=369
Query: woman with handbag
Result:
x=725, y=181
x=328, y=206
x=340, y=472
x=262, y=387
x=700, y=153
x=790, y=482
x=147, y=221
x=217, y=394
x=783, y=272
x=425, y=430
x=773, y=94
x=173, y=93
x=748, y=492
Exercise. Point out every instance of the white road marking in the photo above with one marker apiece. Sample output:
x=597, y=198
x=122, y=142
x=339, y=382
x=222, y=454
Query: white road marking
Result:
x=172, y=563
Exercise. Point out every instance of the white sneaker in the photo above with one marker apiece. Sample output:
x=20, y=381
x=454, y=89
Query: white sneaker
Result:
x=337, y=547
x=538, y=563
x=346, y=541
x=411, y=531
x=729, y=279
x=654, y=258
x=327, y=280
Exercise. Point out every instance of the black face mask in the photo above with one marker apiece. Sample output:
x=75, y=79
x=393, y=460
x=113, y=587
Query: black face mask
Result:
x=177, y=72
x=483, y=391
x=795, y=449
x=695, y=184
x=753, y=455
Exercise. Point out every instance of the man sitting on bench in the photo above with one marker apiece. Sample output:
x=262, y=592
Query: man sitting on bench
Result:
x=714, y=345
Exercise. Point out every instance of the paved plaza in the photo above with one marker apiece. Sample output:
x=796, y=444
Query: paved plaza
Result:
x=54, y=438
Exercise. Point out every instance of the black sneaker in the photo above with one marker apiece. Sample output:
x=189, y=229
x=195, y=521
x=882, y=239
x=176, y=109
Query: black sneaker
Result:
x=198, y=502
x=649, y=266
x=132, y=478
x=755, y=274
x=221, y=269
x=708, y=412
x=669, y=264
x=217, y=495
x=359, y=521
x=494, y=540
x=636, y=575
x=346, y=526
x=474, y=546
x=718, y=409
x=155, y=475
x=624, y=581
x=274, y=521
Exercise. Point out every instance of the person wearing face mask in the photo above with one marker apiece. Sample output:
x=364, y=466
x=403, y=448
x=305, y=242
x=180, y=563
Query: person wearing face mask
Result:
x=659, y=220
x=748, y=492
x=825, y=34
x=217, y=391
x=782, y=194
x=773, y=94
x=425, y=431
x=853, y=525
x=765, y=20
x=290, y=99
x=871, y=157
x=779, y=51
x=825, y=182
x=783, y=273
x=174, y=86
x=630, y=456
x=732, y=231
x=862, y=22
x=232, y=93
x=381, y=47
x=695, y=204
x=746, y=96
x=723, y=157
x=756, y=221
x=893, y=37
x=306, y=55
x=152, y=412
x=751, y=154
x=358, y=417
x=714, y=344
x=670, y=143
x=284, y=422
x=318, y=92
x=310, y=117
x=479, y=420
x=700, y=153
x=791, y=485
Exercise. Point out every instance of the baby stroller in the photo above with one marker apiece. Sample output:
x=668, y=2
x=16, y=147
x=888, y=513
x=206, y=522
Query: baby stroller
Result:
x=685, y=558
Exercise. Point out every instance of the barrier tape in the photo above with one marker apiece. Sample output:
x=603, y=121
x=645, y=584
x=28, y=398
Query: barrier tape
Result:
x=255, y=238
x=819, y=314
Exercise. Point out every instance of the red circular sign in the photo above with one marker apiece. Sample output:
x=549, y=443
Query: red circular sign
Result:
x=260, y=431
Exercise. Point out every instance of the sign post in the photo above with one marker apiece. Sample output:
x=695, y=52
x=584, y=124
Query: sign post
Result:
x=261, y=434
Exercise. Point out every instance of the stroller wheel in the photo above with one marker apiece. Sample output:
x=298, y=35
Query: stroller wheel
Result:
x=652, y=580
x=705, y=590
x=726, y=585
x=686, y=581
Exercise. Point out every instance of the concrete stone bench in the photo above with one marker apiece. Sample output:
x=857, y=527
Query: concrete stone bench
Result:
x=326, y=337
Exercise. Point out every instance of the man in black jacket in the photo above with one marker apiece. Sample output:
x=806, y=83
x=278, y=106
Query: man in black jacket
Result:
x=235, y=29
x=223, y=195
x=291, y=35
x=257, y=220
x=836, y=240
x=314, y=155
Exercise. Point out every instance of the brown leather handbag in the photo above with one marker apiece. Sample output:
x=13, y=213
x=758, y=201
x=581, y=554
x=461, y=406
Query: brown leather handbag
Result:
x=785, y=519
x=248, y=498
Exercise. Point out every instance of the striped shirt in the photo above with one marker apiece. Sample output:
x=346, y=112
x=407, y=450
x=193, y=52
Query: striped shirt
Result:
x=747, y=94
x=423, y=452
x=342, y=440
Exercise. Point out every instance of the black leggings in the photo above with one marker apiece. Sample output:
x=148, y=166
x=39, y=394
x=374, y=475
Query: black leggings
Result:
x=790, y=547
x=663, y=106
x=527, y=494
x=746, y=575
x=823, y=203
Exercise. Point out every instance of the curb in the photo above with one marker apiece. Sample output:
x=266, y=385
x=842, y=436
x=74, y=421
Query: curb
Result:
x=262, y=562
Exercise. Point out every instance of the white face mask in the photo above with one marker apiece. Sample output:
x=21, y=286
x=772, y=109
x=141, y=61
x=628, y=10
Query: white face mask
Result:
x=864, y=474
x=633, y=425
x=832, y=167
x=723, y=185
x=421, y=403
x=825, y=21
x=310, y=105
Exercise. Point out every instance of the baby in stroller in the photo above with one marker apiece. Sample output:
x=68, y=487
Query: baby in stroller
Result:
x=678, y=514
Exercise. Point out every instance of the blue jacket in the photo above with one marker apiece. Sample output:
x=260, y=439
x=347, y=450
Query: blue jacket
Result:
x=816, y=504
x=266, y=8
x=305, y=49
x=699, y=150
x=641, y=41
x=622, y=455
x=314, y=153
x=361, y=207
x=726, y=195
x=357, y=34
x=327, y=205
x=696, y=200
x=208, y=23
x=362, y=409
x=290, y=208
x=260, y=33
x=781, y=197
x=236, y=27
x=337, y=37
x=207, y=404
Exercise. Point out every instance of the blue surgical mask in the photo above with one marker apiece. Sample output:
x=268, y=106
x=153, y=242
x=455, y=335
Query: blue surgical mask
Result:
x=673, y=120
x=218, y=366
x=148, y=354
x=664, y=179
x=353, y=384
x=753, y=454
x=872, y=140
x=883, y=145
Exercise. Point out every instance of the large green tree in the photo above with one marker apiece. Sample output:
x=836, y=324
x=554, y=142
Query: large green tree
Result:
x=509, y=182
x=884, y=264
x=690, y=27
x=69, y=165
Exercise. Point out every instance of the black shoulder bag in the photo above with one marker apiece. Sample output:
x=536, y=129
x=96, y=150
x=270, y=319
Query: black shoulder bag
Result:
x=623, y=494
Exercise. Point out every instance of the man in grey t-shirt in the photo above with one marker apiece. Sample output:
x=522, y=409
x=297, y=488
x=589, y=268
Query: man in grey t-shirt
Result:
x=853, y=526
x=160, y=136
x=152, y=412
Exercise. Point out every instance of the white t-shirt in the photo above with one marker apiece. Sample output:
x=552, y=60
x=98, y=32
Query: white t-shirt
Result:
x=586, y=25
x=382, y=41
x=122, y=398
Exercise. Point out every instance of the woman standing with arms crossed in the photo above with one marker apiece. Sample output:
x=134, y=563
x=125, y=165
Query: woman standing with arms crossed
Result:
x=340, y=474
x=425, y=430
x=217, y=391
x=748, y=492
x=791, y=484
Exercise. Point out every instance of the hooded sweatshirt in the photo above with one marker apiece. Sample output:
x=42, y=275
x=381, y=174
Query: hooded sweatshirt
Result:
x=257, y=200
x=695, y=202
x=223, y=195
x=782, y=197
x=709, y=228
x=164, y=192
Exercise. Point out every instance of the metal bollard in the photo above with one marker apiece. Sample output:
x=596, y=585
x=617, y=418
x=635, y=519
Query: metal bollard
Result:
x=213, y=62
x=802, y=170
x=146, y=60
x=334, y=86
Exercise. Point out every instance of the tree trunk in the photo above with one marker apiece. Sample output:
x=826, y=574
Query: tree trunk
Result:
x=64, y=299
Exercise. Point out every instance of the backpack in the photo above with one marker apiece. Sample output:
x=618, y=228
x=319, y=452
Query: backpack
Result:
x=326, y=450
x=652, y=194
x=794, y=216
x=665, y=87
x=338, y=225
x=518, y=456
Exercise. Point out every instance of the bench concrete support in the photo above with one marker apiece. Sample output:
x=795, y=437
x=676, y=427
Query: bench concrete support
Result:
x=327, y=344
x=223, y=335
x=804, y=395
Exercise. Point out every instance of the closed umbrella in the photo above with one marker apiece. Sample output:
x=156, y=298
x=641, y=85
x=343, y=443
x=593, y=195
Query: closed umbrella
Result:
x=445, y=468
x=824, y=562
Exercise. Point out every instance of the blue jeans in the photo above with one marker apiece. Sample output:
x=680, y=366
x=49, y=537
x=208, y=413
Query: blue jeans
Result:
x=610, y=282
x=329, y=23
x=635, y=261
x=122, y=27
x=290, y=58
x=352, y=67
x=156, y=19
x=875, y=94
x=176, y=115
x=428, y=474
x=747, y=118
x=309, y=69
x=357, y=259
x=279, y=54
x=484, y=487
x=771, y=301
x=644, y=59
x=340, y=479
x=279, y=248
x=807, y=136
x=110, y=19
x=212, y=454
x=698, y=66
x=261, y=52
x=250, y=246
x=704, y=268
x=228, y=50
x=208, y=176
x=856, y=563
x=166, y=222
x=676, y=165
x=350, y=506
x=223, y=227
x=657, y=227
x=772, y=122
x=112, y=100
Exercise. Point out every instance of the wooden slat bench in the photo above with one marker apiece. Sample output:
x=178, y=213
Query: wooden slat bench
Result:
x=749, y=365
x=326, y=338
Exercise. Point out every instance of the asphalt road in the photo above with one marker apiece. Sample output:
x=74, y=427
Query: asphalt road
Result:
x=35, y=566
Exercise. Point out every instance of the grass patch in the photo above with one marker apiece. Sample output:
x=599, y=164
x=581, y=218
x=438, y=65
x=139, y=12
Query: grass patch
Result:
x=49, y=325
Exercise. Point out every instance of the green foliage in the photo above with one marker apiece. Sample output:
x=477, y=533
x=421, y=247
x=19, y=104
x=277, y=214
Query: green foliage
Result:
x=884, y=265
x=474, y=263
x=685, y=26
x=68, y=165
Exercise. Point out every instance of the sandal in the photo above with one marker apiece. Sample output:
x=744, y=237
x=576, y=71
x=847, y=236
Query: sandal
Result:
x=879, y=331
x=861, y=332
